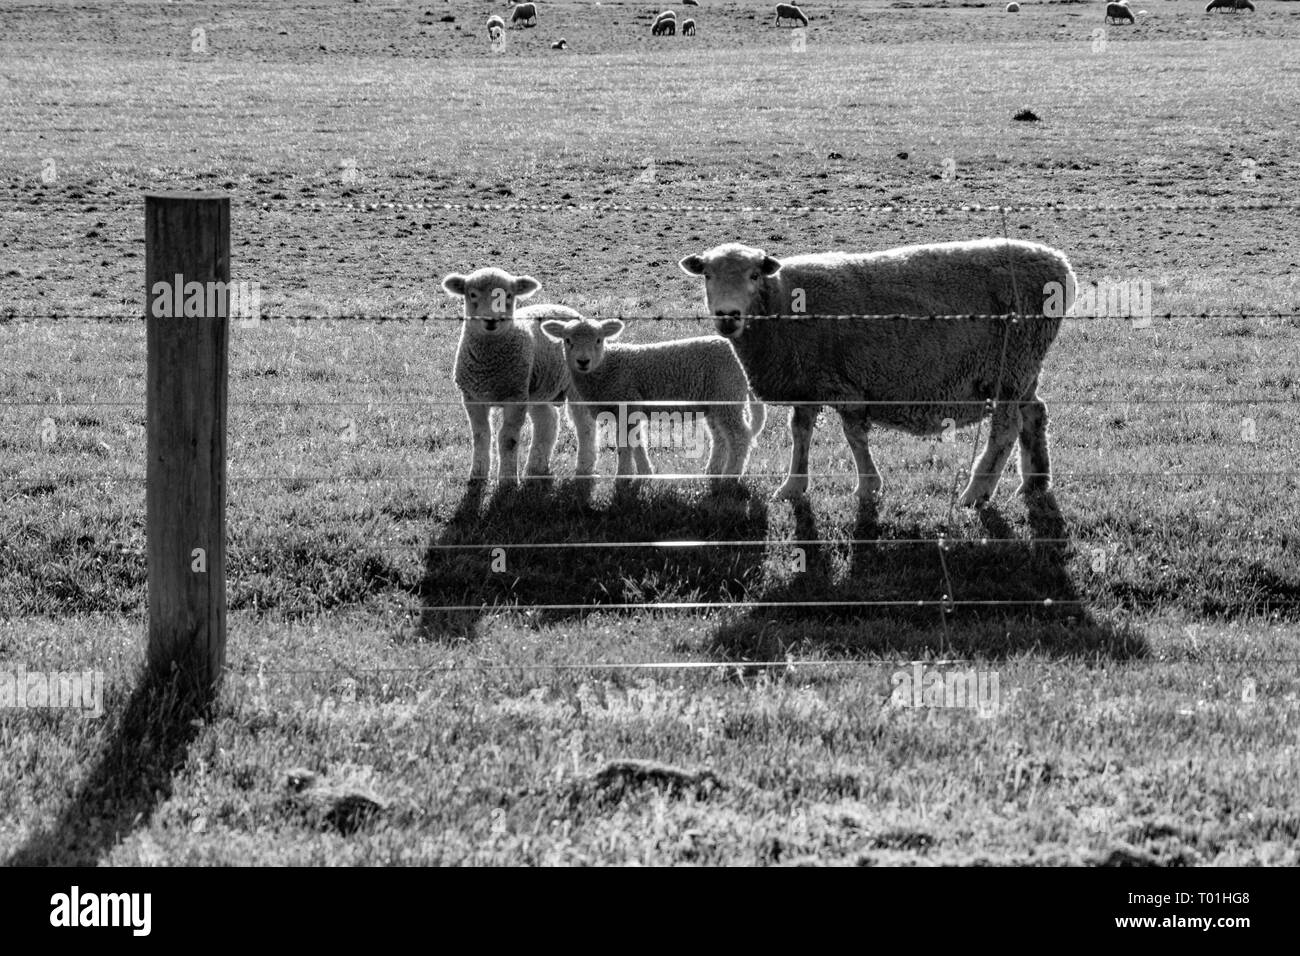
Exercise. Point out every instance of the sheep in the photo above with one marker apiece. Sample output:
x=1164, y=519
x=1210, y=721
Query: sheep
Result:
x=504, y=360
x=690, y=3
x=560, y=44
x=663, y=26
x=495, y=23
x=956, y=364
x=1013, y=8
x=1115, y=12
x=1231, y=6
x=701, y=374
x=688, y=28
x=788, y=11
x=522, y=13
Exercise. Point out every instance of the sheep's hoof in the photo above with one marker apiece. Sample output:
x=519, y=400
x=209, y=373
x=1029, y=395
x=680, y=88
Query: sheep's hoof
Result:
x=1033, y=486
x=791, y=491
x=870, y=489
x=975, y=497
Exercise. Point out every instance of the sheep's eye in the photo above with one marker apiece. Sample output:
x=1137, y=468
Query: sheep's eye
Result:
x=753, y=277
x=598, y=341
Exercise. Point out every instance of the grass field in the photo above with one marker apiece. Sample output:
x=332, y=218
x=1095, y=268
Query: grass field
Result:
x=1140, y=625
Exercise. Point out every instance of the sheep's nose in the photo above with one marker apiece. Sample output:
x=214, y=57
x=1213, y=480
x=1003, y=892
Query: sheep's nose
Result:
x=583, y=363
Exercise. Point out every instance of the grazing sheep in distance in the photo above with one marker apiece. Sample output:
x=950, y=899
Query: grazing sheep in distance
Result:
x=504, y=359
x=1117, y=11
x=910, y=372
x=522, y=13
x=664, y=25
x=1013, y=8
x=690, y=3
x=688, y=28
x=1231, y=6
x=700, y=376
x=560, y=44
x=788, y=11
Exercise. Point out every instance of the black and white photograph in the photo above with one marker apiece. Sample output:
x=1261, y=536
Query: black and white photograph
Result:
x=717, y=433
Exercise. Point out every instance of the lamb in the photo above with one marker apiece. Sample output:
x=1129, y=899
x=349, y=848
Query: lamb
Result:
x=503, y=359
x=560, y=44
x=1013, y=8
x=896, y=364
x=522, y=13
x=688, y=28
x=495, y=26
x=700, y=375
x=665, y=23
x=1115, y=12
x=788, y=11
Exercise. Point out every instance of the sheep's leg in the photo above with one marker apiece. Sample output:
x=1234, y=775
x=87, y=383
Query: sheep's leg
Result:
x=1035, y=467
x=512, y=420
x=857, y=428
x=719, y=454
x=480, y=429
x=584, y=425
x=1003, y=430
x=546, y=421
x=731, y=439
x=643, y=465
x=802, y=420
x=626, y=467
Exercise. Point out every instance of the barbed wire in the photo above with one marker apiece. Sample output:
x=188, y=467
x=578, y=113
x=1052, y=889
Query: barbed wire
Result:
x=251, y=322
x=417, y=477
x=570, y=206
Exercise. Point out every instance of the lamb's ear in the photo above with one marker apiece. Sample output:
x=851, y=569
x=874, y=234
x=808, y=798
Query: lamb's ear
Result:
x=693, y=265
x=454, y=284
x=770, y=266
x=611, y=328
x=526, y=286
x=554, y=329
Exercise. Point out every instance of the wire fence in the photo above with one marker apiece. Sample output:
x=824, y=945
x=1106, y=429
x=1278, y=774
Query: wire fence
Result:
x=943, y=600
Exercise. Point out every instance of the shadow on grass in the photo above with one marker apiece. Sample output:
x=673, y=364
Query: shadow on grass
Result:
x=131, y=778
x=1006, y=598
x=465, y=578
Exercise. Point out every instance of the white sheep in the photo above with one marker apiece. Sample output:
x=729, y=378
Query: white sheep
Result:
x=1116, y=12
x=665, y=23
x=700, y=376
x=522, y=13
x=789, y=11
x=688, y=27
x=924, y=372
x=495, y=26
x=1013, y=8
x=503, y=359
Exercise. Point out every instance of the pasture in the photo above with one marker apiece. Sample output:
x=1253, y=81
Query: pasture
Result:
x=1140, y=625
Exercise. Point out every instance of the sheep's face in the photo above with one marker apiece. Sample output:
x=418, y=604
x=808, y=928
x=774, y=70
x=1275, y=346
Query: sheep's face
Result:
x=583, y=340
x=490, y=295
x=733, y=283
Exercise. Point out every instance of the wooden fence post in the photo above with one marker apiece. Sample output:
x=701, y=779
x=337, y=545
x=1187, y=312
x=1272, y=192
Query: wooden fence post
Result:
x=187, y=329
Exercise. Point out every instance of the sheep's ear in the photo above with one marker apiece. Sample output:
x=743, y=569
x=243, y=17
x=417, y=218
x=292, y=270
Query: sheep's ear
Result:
x=554, y=329
x=611, y=328
x=693, y=265
x=526, y=286
x=770, y=266
x=454, y=284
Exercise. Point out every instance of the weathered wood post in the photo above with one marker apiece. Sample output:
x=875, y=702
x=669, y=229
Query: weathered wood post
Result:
x=187, y=329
